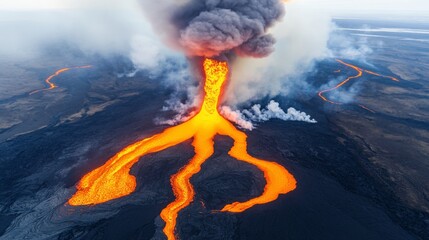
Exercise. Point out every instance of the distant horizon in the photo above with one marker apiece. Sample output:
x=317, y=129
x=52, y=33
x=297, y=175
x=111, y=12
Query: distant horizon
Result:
x=338, y=16
x=414, y=9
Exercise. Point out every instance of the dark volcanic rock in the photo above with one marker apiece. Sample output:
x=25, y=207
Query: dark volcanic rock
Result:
x=360, y=175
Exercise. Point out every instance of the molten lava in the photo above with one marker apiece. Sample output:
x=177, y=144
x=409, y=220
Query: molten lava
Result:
x=57, y=73
x=359, y=74
x=113, y=180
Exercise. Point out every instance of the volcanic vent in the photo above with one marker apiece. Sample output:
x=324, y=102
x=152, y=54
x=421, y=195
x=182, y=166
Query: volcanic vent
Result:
x=113, y=180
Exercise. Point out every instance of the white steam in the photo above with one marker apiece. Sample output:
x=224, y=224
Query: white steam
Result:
x=110, y=28
x=350, y=48
x=302, y=38
x=245, y=118
x=256, y=113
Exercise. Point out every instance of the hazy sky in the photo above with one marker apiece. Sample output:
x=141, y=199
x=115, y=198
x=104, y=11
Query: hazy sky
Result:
x=410, y=8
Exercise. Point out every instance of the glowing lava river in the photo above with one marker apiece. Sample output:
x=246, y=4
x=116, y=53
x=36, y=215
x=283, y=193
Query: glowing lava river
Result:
x=359, y=74
x=113, y=180
x=57, y=73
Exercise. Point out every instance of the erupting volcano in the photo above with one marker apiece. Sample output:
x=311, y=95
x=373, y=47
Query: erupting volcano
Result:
x=113, y=180
x=359, y=74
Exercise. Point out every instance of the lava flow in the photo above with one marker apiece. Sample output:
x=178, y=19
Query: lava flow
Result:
x=359, y=74
x=113, y=180
x=57, y=73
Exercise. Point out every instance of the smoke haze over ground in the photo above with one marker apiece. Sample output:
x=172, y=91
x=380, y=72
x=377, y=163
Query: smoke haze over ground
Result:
x=107, y=28
x=350, y=165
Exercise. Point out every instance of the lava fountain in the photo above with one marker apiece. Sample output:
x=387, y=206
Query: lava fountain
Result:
x=113, y=179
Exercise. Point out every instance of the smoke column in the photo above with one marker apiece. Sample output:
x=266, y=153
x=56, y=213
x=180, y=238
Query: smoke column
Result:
x=211, y=28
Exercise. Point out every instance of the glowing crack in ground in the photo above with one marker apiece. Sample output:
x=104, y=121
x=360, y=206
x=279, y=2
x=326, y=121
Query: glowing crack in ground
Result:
x=359, y=74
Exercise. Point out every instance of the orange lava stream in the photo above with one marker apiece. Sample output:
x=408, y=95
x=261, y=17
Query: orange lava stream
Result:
x=57, y=73
x=113, y=180
x=380, y=75
x=359, y=74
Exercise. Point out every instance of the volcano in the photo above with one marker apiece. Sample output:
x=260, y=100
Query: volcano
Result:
x=113, y=180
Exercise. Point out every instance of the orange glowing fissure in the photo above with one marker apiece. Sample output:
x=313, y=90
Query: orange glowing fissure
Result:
x=113, y=180
x=359, y=74
x=57, y=73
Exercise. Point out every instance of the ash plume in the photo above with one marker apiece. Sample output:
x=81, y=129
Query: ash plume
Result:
x=213, y=27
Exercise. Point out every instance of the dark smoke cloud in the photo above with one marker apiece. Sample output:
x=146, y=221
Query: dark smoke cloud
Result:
x=257, y=47
x=213, y=27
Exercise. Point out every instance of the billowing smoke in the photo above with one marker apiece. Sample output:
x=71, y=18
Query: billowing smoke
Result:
x=256, y=113
x=243, y=28
x=302, y=39
x=110, y=28
x=213, y=27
